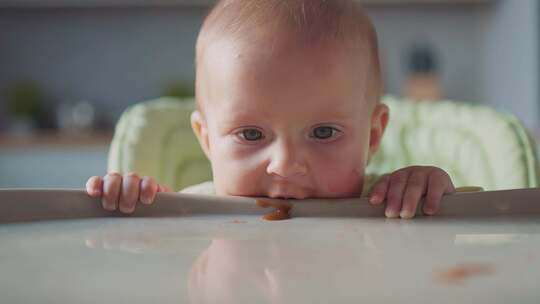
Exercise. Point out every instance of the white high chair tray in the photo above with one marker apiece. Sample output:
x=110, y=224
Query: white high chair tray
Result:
x=61, y=247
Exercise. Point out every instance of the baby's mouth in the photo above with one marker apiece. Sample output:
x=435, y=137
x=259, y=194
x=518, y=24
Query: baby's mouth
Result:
x=287, y=195
x=286, y=191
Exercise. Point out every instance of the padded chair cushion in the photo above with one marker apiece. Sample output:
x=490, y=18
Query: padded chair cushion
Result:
x=475, y=144
x=155, y=138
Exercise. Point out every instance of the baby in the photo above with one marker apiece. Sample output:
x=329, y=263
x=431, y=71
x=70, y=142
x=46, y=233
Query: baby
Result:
x=288, y=106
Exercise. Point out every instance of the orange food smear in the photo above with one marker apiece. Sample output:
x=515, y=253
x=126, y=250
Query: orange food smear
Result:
x=460, y=273
x=281, y=212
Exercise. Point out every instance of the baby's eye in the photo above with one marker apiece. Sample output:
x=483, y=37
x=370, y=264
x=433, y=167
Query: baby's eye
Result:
x=251, y=134
x=325, y=132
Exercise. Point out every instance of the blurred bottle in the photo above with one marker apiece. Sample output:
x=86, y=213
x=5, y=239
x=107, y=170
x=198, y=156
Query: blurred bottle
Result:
x=423, y=82
x=75, y=118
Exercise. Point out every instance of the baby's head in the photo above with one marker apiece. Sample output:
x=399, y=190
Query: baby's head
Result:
x=288, y=97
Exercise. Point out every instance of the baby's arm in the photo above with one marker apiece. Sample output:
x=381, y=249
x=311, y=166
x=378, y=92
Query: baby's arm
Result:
x=404, y=188
x=123, y=192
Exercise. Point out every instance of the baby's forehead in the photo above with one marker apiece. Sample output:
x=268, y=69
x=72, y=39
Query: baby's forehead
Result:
x=272, y=42
x=284, y=60
x=325, y=75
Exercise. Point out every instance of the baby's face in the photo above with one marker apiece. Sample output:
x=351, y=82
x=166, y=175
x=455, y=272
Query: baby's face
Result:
x=286, y=124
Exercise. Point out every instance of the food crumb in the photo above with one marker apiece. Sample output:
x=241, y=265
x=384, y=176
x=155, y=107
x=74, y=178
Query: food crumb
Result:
x=459, y=273
x=238, y=222
x=283, y=207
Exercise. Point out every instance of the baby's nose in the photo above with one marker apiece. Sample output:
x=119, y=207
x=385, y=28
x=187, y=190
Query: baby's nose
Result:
x=286, y=171
x=286, y=163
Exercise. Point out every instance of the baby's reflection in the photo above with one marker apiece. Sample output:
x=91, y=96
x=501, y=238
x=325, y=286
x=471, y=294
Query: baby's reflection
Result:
x=273, y=271
x=321, y=265
x=263, y=270
x=238, y=271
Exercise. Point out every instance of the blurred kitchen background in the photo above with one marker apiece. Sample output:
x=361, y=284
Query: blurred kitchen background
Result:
x=68, y=68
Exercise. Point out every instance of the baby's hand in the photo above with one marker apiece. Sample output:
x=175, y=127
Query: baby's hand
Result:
x=123, y=192
x=404, y=188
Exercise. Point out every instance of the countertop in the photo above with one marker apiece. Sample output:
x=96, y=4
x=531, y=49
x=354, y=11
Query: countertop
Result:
x=219, y=255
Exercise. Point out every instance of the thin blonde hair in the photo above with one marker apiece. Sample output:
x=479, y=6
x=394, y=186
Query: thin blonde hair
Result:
x=310, y=21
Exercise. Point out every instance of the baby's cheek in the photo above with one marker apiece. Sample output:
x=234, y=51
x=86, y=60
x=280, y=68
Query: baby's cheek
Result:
x=238, y=176
x=237, y=181
x=346, y=183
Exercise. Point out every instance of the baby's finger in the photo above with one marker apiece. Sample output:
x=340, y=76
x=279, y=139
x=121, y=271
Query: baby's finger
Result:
x=112, y=184
x=378, y=191
x=439, y=183
x=94, y=186
x=149, y=187
x=130, y=193
x=163, y=188
x=416, y=187
x=398, y=180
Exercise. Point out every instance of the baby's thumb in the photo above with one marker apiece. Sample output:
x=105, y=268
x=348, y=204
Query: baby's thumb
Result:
x=94, y=186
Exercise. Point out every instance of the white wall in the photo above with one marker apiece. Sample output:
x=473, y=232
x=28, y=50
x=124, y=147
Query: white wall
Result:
x=453, y=32
x=118, y=56
x=488, y=53
x=511, y=67
x=113, y=57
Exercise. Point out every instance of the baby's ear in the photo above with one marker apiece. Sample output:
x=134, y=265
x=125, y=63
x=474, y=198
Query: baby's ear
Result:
x=198, y=124
x=379, y=120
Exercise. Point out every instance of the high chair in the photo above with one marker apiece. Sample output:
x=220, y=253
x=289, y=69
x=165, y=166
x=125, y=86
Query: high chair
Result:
x=475, y=144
